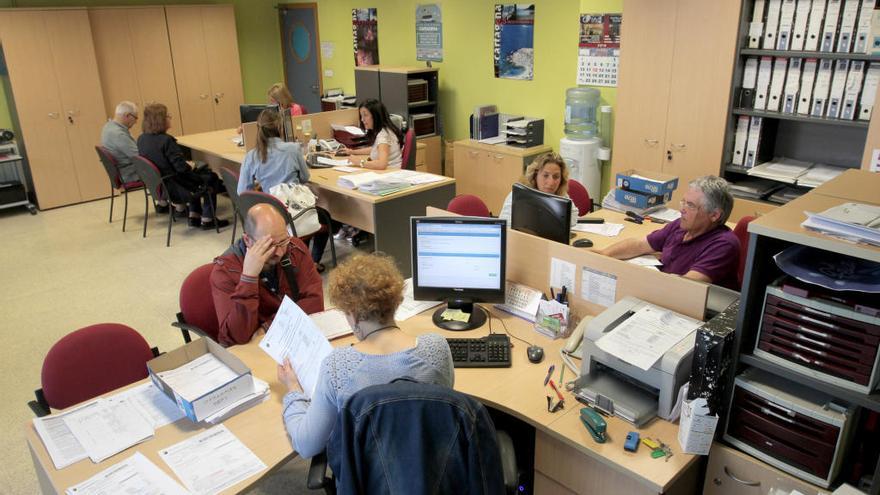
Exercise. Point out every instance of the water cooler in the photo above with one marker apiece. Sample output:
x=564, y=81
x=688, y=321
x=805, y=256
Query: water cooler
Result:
x=581, y=148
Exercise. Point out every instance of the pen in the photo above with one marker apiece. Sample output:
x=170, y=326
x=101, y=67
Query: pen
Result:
x=558, y=393
x=549, y=373
x=552, y=294
x=562, y=296
x=561, y=374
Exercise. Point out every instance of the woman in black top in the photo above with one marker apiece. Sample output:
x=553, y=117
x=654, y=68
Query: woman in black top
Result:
x=193, y=186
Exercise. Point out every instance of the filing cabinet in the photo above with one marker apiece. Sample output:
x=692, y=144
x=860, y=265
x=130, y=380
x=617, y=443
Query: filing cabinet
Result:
x=731, y=472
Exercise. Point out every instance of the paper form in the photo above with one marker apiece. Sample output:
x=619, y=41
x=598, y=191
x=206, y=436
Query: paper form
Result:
x=645, y=336
x=606, y=229
x=63, y=447
x=332, y=323
x=294, y=335
x=259, y=394
x=152, y=404
x=108, y=427
x=347, y=169
x=336, y=163
x=598, y=287
x=211, y=461
x=410, y=307
x=133, y=476
x=645, y=260
x=562, y=274
x=198, y=377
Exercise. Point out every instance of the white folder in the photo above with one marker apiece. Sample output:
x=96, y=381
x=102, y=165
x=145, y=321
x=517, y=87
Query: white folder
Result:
x=822, y=87
x=874, y=39
x=862, y=39
x=750, y=73
x=849, y=13
x=786, y=23
x=771, y=24
x=814, y=26
x=756, y=26
x=853, y=88
x=838, y=86
x=777, y=82
x=792, y=85
x=765, y=70
x=799, y=31
x=869, y=91
x=753, y=143
x=829, y=28
x=805, y=95
x=740, y=139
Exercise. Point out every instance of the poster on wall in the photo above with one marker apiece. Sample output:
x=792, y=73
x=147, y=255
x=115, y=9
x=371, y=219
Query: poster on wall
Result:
x=599, y=49
x=365, y=34
x=514, y=48
x=429, y=33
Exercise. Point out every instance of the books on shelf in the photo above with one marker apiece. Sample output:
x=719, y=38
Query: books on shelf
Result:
x=785, y=195
x=754, y=188
x=781, y=170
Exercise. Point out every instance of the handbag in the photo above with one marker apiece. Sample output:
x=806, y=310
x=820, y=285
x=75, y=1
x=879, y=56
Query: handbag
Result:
x=300, y=203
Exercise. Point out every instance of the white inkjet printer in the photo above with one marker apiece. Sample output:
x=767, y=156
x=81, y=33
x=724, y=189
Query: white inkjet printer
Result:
x=617, y=387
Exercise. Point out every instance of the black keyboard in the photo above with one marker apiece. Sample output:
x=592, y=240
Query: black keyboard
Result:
x=485, y=352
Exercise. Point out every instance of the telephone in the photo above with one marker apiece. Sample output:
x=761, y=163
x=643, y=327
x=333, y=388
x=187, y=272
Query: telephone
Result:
x=573, y=345
x=329, y=144
x=521, y=300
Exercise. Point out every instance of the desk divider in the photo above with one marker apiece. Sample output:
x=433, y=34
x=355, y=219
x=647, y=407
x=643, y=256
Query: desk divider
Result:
x=321, y=122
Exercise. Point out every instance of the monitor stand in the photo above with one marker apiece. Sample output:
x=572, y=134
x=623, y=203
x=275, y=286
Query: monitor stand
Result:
x=477, y=319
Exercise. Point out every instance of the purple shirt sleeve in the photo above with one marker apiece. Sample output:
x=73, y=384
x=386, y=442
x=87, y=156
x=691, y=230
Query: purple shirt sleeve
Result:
x=657, y=239
x=719, y=259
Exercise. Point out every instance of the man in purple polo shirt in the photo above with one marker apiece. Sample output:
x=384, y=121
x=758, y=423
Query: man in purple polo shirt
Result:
x=698, y=245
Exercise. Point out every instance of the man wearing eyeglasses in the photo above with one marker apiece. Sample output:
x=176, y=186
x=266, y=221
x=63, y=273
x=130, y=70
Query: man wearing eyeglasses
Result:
x=251, y=278
x=698, y=245
x=116, y=137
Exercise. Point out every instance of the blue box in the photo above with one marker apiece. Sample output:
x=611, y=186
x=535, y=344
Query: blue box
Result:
x=647, y=182
x=640, y=200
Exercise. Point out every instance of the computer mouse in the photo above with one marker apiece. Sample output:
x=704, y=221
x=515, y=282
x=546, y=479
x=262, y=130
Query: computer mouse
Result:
x=535, y=354
x=584, y=243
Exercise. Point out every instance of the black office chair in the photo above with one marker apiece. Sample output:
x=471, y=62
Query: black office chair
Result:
x=438, y=441
x=230, y=181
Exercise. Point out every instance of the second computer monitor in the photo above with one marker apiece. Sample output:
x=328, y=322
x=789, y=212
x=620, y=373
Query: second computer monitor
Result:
x=541, y=214
x=250, y=112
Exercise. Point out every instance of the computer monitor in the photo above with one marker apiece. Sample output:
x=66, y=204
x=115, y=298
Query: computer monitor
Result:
x=541, y=214
x=460, y=260
x=250, y=112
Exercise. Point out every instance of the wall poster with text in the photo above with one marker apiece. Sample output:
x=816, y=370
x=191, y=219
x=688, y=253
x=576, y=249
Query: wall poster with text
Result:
x=514, y=49
x=599, y=49
x=365, y=34
x=429, y=33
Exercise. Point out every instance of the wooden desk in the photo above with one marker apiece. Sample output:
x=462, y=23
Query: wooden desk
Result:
x=386, y=217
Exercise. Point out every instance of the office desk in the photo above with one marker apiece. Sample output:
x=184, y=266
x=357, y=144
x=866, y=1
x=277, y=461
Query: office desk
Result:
x=629, y=229
x=386, y=217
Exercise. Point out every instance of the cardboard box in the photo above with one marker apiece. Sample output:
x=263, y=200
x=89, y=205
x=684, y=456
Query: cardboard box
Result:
x=648, y=182
x=200, y=408
x=640, y=200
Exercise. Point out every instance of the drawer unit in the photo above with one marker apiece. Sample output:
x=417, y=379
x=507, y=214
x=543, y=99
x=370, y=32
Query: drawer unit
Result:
x=731, y=472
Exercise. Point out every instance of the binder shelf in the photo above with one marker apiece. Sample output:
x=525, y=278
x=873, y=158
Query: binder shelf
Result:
x=756, y=52
x=863, y=124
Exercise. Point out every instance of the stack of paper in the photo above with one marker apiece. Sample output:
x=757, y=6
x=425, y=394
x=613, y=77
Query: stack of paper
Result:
x=133, y=475
x=819, y=174
x=410, y=307
x=336, y=163
x=353, y=130
x=781, y=169
x=754, y=188
x=785, y=195
x=259, y=394
x=607, y=229
x=106, y=427
x=354, y=181
x=383, y=187
x=854, y=221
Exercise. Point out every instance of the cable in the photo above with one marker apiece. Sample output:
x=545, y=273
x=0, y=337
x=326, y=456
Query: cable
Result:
x=503, y=325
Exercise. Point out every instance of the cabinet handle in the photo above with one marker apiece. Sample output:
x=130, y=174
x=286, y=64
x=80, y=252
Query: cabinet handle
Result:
x=652, y=142
x=54, y=115
x=740, y=481
x=498, y=157
x=679, y=147
x=203, y=96
x=474, y=154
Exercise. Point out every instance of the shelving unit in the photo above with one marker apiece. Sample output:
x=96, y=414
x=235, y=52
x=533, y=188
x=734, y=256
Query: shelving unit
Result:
x=13, y=184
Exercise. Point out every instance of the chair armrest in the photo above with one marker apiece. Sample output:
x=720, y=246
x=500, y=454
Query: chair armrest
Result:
x=186, y=328
x=39, y=406
x=317, y=478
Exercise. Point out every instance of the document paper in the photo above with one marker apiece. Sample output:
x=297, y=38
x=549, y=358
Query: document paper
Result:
x=410, y=307
x=605, y=229
x=598, y=287
x=211, y=461
x=294, y=335
x=106, y=427
x=332, y=323
x=133, y=476
x=63, y=447
x=198, y=377
x=152, y=404
x=645, y=336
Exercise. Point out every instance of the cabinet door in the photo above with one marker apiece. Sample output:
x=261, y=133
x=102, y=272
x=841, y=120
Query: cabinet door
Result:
x=468, y=172
x=224, y=70
x=73, y=56
x=189, y=55
x=38, y=106
x=702, y=68
x=501, y=171
x=115, y=55
x=873, y=140
x=643, y=84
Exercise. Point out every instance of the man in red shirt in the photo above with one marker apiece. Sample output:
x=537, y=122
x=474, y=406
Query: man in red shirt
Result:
x=251, y=278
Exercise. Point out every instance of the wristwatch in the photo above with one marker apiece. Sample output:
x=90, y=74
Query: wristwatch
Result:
x=362, y=162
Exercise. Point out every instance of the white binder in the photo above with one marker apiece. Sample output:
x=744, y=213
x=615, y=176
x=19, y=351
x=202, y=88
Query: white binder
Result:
x=799, y=31
x=792, y=85
x=853, y=88
x=814, y=26
x=862, y=39
x=869, y=91
x=740, y=139
x=786, y=22
x=822, y=87
x=805, y=95
x=750, y=73
x=765, y=70
x=838, y=86
x=777, y=82
x=771, y=24
x=848, y=15
x=754, y=141
x=829, y=29
x=756, y=27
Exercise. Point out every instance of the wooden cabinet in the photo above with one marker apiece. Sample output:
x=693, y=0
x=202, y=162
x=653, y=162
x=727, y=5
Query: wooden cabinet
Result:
x=58, y=99
x=731, y=472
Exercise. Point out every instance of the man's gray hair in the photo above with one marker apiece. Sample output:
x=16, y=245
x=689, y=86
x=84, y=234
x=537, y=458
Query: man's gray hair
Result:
x=716, y=194
x=125, y=107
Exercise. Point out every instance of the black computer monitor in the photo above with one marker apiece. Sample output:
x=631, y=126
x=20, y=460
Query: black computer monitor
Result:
x=460, y=260
x=250, y=112
x=541, y=214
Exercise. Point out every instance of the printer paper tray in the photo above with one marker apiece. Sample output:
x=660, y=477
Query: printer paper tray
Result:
x=631, y=403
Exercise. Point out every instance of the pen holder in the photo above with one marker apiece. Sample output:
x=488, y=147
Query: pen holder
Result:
x=552, y=319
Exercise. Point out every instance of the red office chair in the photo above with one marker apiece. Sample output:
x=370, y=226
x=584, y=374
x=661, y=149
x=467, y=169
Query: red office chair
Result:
x=468, y=205
x=742, y=233
x=408, y=154
x=89, y=362
x=197, y=313
x=580, y=196
x=111, y=166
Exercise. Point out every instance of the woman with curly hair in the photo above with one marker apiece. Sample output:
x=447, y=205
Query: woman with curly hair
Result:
x=547, y=173
x=368, y=289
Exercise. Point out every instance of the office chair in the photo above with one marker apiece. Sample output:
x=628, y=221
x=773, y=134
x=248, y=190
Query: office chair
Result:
x=408, y=153
x=580, y=196
x=89, y=362
x=197, y=313
x=230, y=181
x=374, y=447
x=741, y=231
x=112, y=169
x=469, y=206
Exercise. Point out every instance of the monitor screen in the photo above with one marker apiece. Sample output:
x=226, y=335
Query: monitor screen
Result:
x=541, y=214
x=250, y=113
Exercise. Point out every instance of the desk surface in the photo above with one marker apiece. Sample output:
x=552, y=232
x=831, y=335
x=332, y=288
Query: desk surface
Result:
x=517, y=390
x=630, y=229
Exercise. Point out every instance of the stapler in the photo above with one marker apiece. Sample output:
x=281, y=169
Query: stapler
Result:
x=594, y=424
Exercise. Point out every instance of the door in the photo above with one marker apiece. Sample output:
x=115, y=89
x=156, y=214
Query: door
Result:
x=189, y=55
x=224, y=67
x=300, y=48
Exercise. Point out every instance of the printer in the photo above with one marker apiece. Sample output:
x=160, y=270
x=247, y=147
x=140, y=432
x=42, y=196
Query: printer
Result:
x=616, y=387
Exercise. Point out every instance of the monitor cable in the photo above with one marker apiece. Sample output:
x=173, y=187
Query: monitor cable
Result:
x=504, y=325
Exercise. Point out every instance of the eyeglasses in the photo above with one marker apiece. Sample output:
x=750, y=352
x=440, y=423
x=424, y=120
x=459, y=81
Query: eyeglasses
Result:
x=133, y=115
x=688, y=205
x=281, y=244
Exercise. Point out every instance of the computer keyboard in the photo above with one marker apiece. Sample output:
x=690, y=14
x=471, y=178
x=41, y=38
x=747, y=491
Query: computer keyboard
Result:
x=492, y=351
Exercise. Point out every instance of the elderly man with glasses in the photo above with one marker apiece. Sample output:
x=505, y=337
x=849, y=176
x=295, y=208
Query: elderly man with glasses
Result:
x=251, y=278
x=698, y=245
x=116, y=137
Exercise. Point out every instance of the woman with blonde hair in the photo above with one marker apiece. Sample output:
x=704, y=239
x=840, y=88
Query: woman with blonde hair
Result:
x=368, y=289
x=547, y=173
x=280, y=95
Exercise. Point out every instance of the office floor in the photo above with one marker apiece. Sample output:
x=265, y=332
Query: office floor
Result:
x=68, y=268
